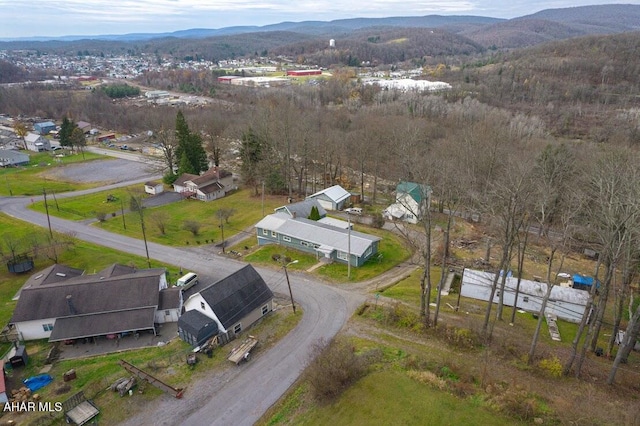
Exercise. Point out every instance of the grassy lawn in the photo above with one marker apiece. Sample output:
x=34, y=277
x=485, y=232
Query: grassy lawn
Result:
x=247, y=211
x=87, y=206
x=392, y=392
x=79, y=254
x=28, y=180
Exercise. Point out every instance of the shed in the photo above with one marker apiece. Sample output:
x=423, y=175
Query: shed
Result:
x=583, y=282
x=20, y=358
x=153, y=188
x=195, y=328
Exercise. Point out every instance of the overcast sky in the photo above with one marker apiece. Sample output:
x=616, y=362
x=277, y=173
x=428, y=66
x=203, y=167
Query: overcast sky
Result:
x=25, y=18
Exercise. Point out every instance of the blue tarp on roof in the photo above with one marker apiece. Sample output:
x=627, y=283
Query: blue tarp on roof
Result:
x=584, y=281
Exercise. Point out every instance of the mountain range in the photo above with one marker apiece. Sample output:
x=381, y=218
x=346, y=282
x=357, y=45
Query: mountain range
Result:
x=373, y=40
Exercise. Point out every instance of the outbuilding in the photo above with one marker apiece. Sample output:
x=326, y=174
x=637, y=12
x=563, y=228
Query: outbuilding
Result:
x=332, y=198
x=44, y=127
x=153, y=188
x=195, y=328
x=20, y=358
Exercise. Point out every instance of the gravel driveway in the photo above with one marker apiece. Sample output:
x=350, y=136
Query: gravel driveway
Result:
x=107, y=171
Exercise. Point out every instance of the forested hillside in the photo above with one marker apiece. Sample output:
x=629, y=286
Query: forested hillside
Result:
x=585, y=87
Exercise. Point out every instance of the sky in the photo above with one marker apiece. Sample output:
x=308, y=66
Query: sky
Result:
x=52, y=18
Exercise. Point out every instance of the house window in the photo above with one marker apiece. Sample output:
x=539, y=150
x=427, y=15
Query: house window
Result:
x=342, y=255
x=265, y=232
x=274, y=234
x=202, y=306
x=265, y=309
x=167, y=312
x=285, y=238
x=47, y=327
x=368, y=251
x=525, y=299
x=237, y=329
x=305, y=244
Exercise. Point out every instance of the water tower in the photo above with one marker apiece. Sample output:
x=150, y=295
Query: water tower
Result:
x=332, y=43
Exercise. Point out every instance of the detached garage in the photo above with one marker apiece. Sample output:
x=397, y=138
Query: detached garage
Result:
x=332, y=198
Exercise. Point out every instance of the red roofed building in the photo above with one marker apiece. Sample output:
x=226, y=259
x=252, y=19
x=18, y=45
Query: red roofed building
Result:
x=303, y=73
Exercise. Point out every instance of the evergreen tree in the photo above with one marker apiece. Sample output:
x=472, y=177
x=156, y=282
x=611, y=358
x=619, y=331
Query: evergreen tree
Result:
x=189, y=148
x=66, y=129
x=251, y=152
x=315, y=214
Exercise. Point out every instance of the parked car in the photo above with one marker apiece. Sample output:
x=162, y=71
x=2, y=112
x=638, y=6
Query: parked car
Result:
x=354, y=210
x=125, y=147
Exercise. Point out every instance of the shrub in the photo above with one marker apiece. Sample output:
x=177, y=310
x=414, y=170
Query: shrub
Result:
x=333, y=368
x=552, y=366
x=378, y=220
x=101, y=216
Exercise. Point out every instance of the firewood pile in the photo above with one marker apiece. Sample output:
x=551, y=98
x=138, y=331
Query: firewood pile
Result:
x=21, y=395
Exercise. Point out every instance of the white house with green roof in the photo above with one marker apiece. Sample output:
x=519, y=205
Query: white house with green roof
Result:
x=411, y=201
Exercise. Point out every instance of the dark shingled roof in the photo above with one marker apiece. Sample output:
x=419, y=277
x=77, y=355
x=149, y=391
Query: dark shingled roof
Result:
x=233, y=297
x=81, y=326
x=53, y=274
x=169, y=298
x=89, y=294
x=303, y=208
x=193, y=321
x=185, y=177
x=115, y=270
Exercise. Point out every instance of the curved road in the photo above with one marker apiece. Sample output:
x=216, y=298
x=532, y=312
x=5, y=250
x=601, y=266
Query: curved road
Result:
x=247, y=392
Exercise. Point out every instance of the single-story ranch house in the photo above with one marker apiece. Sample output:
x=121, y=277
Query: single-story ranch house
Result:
x=225, y=307
x=9, y=157
x=61, y=303
x=327, y=242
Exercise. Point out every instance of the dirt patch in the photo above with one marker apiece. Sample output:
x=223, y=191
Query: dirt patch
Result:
x=107, y=171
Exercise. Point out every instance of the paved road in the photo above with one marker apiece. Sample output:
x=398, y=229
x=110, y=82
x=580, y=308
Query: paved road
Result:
x=252, y=389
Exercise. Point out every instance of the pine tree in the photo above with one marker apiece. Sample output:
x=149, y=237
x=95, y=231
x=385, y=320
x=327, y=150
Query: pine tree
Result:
x=315, y=214
x=189, y=148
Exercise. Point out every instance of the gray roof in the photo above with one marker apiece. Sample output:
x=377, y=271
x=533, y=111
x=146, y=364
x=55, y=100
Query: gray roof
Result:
x=302, y=208
x=32, y=137
x=169, y=298
x=89, y=294
x=235, y=296
x=13, y=155
x=81, y=326
x=53, y=274
x=336, y=193
x=193, y=321
x=318, y=233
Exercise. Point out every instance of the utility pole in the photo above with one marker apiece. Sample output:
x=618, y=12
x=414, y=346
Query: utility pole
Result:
x=46, y=207
x=124, y=224
x=144, y=234
x=349, y=246
x=222, y=232
x=289, y=284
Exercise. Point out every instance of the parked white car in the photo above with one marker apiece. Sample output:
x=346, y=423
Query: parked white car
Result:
x=354, y=210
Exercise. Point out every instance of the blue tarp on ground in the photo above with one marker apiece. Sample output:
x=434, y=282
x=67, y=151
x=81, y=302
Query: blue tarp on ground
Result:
x=37, y=382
